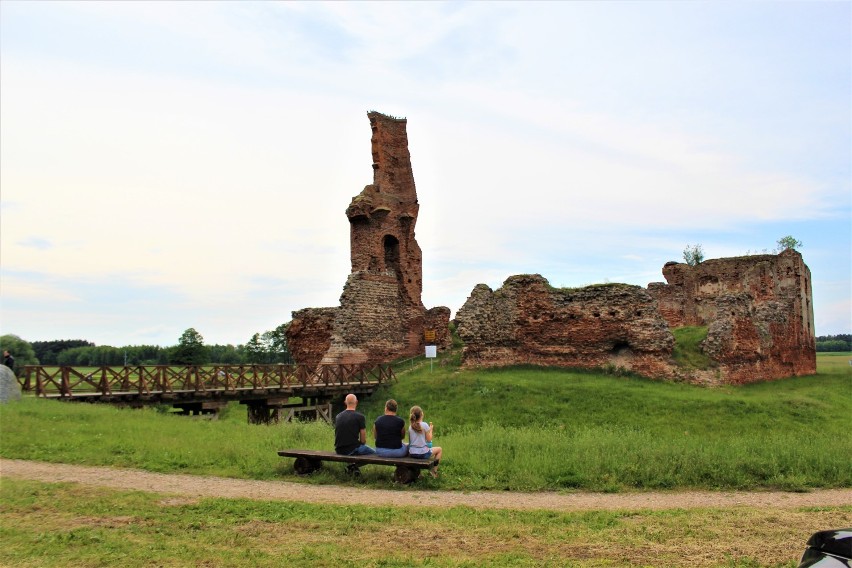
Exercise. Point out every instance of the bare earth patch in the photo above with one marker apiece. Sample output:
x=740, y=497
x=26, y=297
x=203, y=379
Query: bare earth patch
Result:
x=193, y=486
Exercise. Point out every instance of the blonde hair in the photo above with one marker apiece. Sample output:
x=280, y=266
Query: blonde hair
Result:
x=415, y=417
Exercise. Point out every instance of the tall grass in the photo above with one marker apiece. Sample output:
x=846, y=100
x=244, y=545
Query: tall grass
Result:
x=520, y=428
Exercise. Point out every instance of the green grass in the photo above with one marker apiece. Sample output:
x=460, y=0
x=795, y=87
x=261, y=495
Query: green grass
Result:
x=61, y=524
x=687, y=351
x=510, y=429
x=835, y=362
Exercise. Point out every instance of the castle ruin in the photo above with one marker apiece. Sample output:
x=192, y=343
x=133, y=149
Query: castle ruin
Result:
x=529, y=322
x=757, y=311
x=381, y=316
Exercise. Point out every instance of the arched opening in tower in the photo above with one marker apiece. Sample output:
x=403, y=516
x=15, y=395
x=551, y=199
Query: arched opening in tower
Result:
x=392, y=254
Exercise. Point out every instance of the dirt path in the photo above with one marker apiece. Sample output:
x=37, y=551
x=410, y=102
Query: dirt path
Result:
x=204, y=486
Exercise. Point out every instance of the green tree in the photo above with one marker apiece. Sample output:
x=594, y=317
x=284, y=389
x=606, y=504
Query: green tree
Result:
x=190, y=349
x=48, y=352
x=788, y=242
x=842, y=342
x=278, y=343
x=20, y=349
x=225, y=354
x=255, y=350
x=143, y=354
x=693, y=255
x=831, y=345
x=82, y=356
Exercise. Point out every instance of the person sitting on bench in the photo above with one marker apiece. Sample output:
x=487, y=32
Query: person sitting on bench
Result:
x=350, y=431
x=419, y=438
x=389, y=430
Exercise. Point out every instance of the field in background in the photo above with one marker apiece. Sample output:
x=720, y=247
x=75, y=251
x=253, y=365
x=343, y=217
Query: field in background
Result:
x=511, y=429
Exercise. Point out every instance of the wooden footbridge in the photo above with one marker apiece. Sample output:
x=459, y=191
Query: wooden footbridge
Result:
x=268, y=390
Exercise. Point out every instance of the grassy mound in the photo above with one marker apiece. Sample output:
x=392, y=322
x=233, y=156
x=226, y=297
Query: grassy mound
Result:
x=687, y=350
x=524, y=428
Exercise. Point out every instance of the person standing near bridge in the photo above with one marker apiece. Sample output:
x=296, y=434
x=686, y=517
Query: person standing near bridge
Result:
x=8, y=360
x=350, y=431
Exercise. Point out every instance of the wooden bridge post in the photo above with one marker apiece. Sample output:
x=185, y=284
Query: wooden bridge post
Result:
x=263, y=414
x=266, y=410
x=65, y=390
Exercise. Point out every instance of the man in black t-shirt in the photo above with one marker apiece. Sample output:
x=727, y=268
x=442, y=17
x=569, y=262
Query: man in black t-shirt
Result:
x=350, y=431
x=389, y=430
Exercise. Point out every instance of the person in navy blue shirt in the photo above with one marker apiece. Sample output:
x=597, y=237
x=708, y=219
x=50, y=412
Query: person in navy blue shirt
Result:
x=389, y=430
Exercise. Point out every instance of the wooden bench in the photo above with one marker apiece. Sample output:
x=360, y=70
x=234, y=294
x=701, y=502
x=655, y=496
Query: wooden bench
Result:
x=308, y=461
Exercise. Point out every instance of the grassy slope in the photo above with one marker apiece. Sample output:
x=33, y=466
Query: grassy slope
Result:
x=687, y=351
x=521, y=428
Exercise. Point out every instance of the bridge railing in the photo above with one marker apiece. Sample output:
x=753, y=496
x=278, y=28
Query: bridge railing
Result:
x=53, y=381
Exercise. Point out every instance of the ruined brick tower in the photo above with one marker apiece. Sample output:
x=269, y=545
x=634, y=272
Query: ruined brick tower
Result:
x=383, y=215
x=381, y=316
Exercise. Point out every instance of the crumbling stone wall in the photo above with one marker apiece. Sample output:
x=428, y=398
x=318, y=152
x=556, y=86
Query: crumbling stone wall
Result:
x=381, y=316
x=527, y=321
x=438, y=320
x=758, y=310
x=309, y=334
x=372, y=323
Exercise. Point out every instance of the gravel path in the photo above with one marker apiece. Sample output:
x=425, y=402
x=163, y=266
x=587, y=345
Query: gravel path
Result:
x=205, y=486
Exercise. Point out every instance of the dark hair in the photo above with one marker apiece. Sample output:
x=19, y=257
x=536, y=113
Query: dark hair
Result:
x=391, y=405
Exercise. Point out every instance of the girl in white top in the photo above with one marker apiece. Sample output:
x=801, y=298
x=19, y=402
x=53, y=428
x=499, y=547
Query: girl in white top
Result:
x=419, y=437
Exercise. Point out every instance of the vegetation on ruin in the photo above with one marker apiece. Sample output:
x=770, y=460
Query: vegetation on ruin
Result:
x=788, y=242
x=596, y=286
x=687, y=351
x=454, y=336
x=693, y=254
x=516, y=429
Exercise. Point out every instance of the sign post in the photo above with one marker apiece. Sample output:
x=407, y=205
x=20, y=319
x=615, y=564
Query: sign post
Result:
x=431, y=353
x=431, y=350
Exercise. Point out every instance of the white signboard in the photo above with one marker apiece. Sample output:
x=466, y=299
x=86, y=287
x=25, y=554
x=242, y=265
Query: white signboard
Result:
x=431, y=351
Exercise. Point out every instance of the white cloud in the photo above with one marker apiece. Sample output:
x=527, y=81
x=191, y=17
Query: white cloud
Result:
x=211, y=148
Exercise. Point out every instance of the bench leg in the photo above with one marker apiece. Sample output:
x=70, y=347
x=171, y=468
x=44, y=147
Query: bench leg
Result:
x=405, y=474
x=353, y=469
x=305, y=466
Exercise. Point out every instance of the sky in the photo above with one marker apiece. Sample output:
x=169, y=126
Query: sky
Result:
x=167, y=165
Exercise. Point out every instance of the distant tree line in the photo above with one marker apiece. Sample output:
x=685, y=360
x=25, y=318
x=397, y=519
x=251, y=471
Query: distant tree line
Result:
x=842, y=342
x=262, y=348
